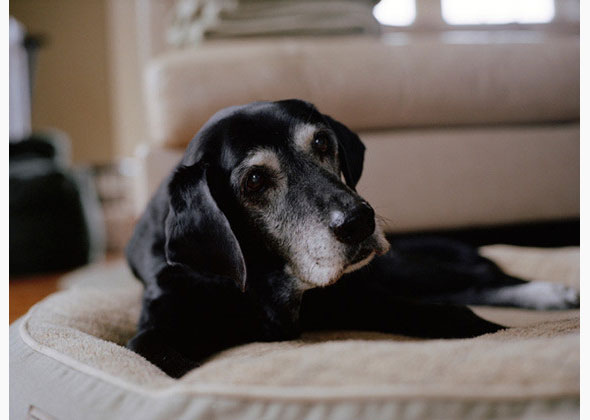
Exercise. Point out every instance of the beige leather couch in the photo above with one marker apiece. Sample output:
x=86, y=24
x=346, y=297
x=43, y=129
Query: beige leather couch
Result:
x=462, y=128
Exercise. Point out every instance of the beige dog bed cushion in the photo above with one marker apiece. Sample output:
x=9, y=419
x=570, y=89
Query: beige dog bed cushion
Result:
x=68, y=361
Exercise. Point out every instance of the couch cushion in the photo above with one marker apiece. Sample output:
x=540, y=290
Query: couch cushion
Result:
x=370, y=83
x=428, y=179
x=68, y=360
x=472, y=176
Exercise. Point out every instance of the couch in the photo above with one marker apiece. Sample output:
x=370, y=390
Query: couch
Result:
x=462, y=128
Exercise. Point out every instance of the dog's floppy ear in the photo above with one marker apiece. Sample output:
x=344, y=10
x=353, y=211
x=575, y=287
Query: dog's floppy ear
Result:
x=198, y=234
x=351, y=150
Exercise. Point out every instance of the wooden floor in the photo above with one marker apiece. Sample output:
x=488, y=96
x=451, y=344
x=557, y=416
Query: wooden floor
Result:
x=25, y=291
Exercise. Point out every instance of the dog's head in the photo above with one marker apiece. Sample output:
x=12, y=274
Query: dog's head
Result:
x=268, y=181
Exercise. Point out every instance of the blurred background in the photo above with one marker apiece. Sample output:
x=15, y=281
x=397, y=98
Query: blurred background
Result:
x=469, y=110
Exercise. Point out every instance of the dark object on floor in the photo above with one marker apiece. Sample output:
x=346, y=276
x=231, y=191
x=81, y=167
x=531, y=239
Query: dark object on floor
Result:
x=538, y=234
x=55, y=221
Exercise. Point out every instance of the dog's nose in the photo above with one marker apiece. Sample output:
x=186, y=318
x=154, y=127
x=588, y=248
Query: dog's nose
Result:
x=355, y=226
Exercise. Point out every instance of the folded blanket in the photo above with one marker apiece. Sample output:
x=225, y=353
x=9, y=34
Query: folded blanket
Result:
x=194, y=20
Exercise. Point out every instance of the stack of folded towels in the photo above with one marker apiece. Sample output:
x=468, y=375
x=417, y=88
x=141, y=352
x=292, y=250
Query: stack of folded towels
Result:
x=192, y=21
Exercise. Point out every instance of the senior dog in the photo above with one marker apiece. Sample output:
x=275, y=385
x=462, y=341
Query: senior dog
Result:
x=259, y=234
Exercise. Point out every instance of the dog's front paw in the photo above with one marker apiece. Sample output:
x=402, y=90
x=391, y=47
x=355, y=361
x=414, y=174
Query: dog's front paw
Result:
x=153, y=346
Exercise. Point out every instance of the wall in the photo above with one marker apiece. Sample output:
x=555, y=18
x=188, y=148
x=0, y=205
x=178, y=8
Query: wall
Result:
x=86, y=82
x=129, y=127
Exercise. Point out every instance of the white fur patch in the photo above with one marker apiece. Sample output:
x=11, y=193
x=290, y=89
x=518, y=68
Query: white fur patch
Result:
x=262, y=157
x=359, y=264
x=302, y=135
x=256, y=157
x=318, y=258
x=535, y=295
x=383, y=244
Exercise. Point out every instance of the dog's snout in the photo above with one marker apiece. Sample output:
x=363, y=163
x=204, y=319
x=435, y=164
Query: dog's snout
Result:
x=354, y=226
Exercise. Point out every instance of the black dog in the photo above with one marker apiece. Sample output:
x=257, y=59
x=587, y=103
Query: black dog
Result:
x=254, y=237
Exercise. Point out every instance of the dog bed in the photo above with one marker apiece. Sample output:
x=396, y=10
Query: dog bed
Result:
x=68, y=361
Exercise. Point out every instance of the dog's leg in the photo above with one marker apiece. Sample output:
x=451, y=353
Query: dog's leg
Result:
x=182, y=324
x=445, y=271
x=353, y=308
x=155, y=346
x=529, y=295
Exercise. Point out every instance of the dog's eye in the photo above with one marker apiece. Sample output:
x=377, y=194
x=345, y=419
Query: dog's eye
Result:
x=255, y=182
x=321, y=143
